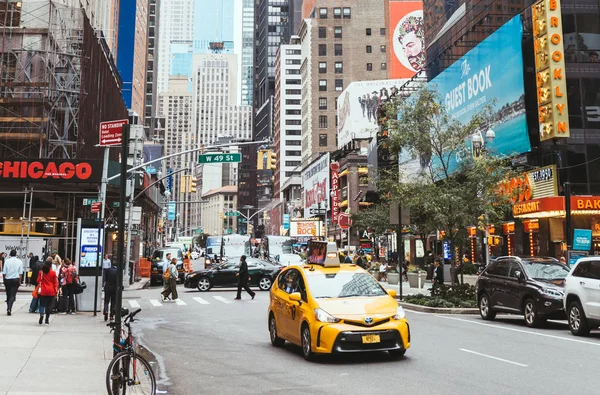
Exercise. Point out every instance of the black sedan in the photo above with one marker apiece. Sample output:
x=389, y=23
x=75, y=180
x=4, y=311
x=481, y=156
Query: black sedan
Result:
x=262, y=274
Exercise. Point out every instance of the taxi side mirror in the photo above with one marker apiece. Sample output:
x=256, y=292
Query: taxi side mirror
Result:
x=391, y=292
x=296, y=297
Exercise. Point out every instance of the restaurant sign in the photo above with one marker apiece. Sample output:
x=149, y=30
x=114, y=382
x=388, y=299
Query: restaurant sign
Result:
x=533, y=184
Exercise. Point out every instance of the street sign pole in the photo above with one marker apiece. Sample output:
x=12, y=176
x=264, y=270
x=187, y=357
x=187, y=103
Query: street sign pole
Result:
x=100, y=219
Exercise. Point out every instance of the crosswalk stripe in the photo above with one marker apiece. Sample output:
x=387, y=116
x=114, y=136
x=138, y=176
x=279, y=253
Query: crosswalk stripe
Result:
x=200, y=300
x=222, y=299
x=134, y=303
x=155, y=302
x=180, y=302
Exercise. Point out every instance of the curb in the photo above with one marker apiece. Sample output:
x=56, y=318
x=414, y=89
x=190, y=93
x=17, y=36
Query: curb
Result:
x=143, y=283
x=438, y=310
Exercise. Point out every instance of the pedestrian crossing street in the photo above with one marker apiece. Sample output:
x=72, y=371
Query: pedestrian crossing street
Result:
x=183, y=301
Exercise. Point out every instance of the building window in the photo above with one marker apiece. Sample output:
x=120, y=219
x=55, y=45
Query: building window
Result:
x=338, y=50
x=369, y=66
x=383, y=66
x=292, y=101
x=337, y=13
x=337, y=32
x=323, y=121
x=322, y=32
x=369, y=49
x=322, y=103
x=322, y=140
x=339, y=67
x=322, y=49
x=293, y=112
x=323, y=13
x=293, y=153
x=368, y=31
x=382, y=48
x=293, y=142
x=347, y=13
x=293, y=132
x=293, y=91
x=322, y=67
x=293, y=122
x=339, y=85
x=292, y=163
x=323, y=85
x=382, y=31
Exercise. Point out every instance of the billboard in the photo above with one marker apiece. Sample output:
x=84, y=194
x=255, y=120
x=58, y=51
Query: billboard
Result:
x=315, y=179
x=304, y=228
x=407, y=36
x=51, y=170
x=474, y=81
x=358, y=105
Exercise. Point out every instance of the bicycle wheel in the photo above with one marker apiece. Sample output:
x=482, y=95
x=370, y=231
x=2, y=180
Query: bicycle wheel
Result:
x=127, y=375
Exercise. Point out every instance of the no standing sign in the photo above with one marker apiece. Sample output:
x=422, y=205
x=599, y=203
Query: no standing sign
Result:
x=111, y=132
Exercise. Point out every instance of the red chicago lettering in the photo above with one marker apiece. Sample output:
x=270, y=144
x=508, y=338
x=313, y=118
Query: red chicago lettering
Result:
x=11, y=169
x=35, y=170
x=67, y=170
x=83, y=171
x=51, y=171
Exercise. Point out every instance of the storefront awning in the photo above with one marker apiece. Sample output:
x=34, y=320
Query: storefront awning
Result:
x=554, y=206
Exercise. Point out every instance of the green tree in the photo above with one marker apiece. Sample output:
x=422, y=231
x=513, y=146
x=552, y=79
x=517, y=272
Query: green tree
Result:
x=376, y=218
x=451, y=189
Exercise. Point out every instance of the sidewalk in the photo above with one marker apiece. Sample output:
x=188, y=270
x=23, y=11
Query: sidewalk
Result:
x=406, y=289
x=26, y=288
x=68, y=357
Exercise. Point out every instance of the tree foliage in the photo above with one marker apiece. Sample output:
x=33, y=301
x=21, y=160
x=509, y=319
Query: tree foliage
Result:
x=376, y=218
x=451, y=189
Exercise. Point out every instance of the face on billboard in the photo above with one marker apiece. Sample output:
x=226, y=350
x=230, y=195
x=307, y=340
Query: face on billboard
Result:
x=407, y=38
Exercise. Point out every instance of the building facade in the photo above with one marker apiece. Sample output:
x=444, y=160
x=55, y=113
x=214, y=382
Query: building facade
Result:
x=218, y=202
x=140, y=59
x=151, y=92
x=340, y=44
x=247, y=63
x=288, y=114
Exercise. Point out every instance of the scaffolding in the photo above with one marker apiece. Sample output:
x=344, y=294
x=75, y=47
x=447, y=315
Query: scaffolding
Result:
x=41, y=47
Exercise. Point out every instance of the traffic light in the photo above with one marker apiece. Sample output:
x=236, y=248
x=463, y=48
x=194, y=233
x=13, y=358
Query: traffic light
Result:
x=313, y=231
x=183, y=184
x=260, y=160
x=192, y=184
x=271, y=160
x=250, y=229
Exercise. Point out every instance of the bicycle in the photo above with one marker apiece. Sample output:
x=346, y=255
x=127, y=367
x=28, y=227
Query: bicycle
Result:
x=129, y=372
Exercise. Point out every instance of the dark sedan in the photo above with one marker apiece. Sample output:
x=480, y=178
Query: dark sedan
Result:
x=532, y=286
x=262, y=274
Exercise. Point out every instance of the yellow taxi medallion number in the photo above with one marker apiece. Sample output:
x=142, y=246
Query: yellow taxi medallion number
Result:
x=371, y=339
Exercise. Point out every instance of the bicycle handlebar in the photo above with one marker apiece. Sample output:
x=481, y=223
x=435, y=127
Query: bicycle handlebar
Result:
x=128, y=318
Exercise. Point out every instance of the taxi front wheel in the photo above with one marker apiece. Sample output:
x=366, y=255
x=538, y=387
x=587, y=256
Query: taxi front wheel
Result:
x=306, y=344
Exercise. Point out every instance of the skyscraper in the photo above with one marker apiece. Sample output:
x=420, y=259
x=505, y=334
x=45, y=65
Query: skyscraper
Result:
x=214, y=22
x=176, y=24
x=247, y=67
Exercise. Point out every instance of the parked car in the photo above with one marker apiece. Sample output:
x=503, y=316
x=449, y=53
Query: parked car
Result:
x=531, y=286
x=157, y=261
x=262, y=274
x=582, y=296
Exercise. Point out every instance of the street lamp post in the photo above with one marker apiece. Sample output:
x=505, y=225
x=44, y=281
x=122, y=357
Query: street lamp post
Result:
x=480, y=148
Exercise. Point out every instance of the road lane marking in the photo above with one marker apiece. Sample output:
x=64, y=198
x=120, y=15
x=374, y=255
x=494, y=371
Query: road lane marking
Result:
x=180, y=302
x=134, y=303
x=222, y=299
x=520, y=330
x=155, y=302
x=492, y=357
x=200, y=300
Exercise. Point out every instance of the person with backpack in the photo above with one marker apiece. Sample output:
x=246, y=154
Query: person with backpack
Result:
x=68, y=278
x=165, y=266
x=48, y=289
x=170, y=277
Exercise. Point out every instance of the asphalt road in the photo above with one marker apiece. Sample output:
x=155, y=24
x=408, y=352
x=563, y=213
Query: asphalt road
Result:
x=215, y=345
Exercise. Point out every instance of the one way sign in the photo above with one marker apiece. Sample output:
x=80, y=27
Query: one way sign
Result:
x=111, y=132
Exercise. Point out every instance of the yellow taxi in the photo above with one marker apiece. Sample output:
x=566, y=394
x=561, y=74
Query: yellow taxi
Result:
x=326, y=307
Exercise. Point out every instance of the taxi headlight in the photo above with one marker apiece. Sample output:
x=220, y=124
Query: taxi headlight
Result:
x=323, y=316
x=399, y=313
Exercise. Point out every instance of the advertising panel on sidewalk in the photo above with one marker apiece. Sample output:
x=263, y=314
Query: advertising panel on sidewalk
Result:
x=407, y=38
x=478, y=79
x=315, y=179
x=358, y=106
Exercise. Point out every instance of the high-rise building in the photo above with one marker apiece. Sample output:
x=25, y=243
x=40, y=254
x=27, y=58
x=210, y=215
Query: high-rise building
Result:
x=341, y=43
x=288, y=113
x=140, y=56
x=176, y=24
x=214, y=22
x=104, y=18
x=176, y=108
x=151, y=99
x=247, y=50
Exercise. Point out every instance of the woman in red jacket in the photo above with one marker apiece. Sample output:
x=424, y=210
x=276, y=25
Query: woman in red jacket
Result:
x=48, y=285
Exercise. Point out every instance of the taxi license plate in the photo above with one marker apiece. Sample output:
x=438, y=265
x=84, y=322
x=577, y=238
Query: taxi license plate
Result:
x=371, y=339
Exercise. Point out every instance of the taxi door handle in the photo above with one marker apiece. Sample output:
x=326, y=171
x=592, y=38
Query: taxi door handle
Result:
x=581, y=283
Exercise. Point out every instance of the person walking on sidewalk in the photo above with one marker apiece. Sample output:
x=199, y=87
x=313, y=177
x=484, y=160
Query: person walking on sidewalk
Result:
x=35, y=271
x=68, y=275
x=170, y=277
x=243, y=278
x=106, y=264
x=48, y=284
x=110, y=291
x=12, y=272
x=438, y=275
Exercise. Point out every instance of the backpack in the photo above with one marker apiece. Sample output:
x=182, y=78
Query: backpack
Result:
x=71, y=276
x=167, y=273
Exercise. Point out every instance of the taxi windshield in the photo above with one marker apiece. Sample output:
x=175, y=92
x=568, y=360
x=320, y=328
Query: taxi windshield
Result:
x=344, y=285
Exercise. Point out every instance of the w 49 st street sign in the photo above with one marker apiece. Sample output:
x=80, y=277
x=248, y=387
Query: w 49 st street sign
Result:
x=220, y=158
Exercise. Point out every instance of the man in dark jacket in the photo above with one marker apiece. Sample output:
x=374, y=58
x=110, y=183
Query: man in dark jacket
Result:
x=438, y=274
x=35, y=270
x=110, y=291
x=243, y=278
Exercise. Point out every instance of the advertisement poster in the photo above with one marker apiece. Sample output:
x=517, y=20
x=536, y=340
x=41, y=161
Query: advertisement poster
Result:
x=407, y=38
x=316, y=184
x=474, y=81
x=582, y=239
x=358, y=105
x=171, y=211
x=89, y=247
x=304, y=228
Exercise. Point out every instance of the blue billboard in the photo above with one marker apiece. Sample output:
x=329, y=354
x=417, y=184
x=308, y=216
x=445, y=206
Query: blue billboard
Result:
x=490, y=73
x=582, y=239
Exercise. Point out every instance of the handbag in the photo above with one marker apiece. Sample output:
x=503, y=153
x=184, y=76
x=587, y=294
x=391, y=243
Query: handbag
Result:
x=38, y=289
x=79, y=287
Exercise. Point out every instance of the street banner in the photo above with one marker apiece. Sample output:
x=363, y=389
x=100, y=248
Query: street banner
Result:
x=316, y=184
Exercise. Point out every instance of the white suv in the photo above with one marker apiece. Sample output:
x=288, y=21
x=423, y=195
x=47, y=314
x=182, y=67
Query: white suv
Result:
x=582, y=296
